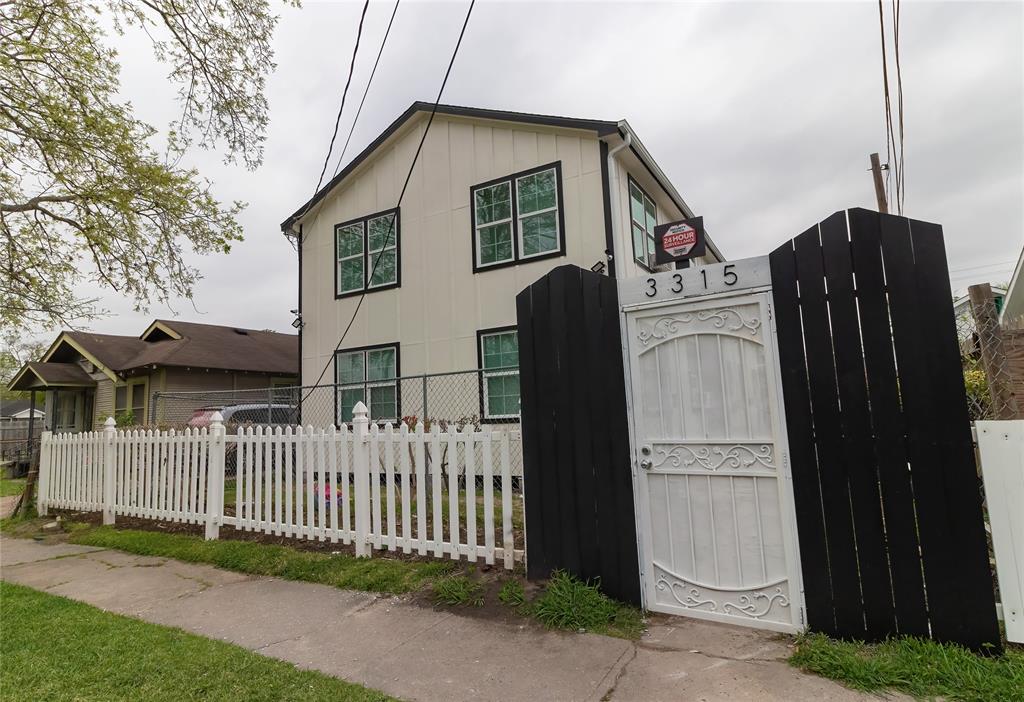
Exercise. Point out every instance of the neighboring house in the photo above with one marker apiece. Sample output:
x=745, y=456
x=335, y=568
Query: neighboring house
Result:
x=88, y=377
x=496, y=200
x=1012, y=311
x=16, y=410
x=965, y=316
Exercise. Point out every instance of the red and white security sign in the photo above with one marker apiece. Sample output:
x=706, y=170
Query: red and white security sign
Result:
x=677, y=241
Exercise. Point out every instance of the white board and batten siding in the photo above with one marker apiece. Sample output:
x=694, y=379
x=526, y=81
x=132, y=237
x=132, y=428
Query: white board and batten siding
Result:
x=1001, y=448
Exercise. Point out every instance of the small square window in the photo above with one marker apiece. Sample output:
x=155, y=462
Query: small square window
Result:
x=499, y=360
x=367, y=253
x=369, y=376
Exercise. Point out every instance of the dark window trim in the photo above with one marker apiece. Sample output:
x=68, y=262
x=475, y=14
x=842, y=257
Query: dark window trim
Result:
x=366, y=289
x=511, y=178
x=480, y=334
x=398, y=375
x=630, y=180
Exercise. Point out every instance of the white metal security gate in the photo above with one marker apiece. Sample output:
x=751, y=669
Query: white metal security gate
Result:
x=713, y=494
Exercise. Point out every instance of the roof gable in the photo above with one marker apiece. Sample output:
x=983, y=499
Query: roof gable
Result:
x=600, y=127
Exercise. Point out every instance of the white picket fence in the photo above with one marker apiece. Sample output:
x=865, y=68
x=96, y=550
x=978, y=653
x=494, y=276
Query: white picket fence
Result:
x=376, y=488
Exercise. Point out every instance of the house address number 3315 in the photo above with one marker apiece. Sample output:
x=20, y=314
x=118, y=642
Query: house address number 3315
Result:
x=697, y=281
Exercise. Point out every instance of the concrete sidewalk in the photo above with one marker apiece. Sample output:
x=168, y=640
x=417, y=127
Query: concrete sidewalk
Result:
x=413, y=652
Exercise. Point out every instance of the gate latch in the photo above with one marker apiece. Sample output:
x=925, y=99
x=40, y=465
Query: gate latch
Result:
x=645, y=462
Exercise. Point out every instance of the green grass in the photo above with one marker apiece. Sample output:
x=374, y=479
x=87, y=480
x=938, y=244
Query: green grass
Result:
x=57, y=649
x=569, y=603
x=458, y=590
x=11, y=486
x=921, y=668
x=384, y=575
x=512, y=593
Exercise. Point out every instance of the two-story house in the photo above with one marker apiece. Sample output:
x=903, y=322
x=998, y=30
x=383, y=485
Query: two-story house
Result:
x=496, y=200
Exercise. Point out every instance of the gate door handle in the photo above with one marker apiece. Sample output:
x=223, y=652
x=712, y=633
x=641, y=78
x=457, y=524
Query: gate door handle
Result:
x=645, y=463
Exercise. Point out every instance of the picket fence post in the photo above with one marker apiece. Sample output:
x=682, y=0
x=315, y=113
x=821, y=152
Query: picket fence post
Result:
x=215, y=477
x=109, y=458
x=361, y=477
x=43, y=490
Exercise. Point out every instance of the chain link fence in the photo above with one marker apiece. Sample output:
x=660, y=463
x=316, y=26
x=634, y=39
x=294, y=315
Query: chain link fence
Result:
x=462, y=399
x=992, y=357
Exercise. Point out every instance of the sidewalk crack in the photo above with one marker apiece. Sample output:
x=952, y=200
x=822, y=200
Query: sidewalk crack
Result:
x=618, y=676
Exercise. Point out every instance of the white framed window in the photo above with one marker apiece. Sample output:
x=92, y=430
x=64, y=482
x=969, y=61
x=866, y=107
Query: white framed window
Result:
x=367, y=254
x=643, y=217
x=368, y=375
x=518, y=218
x=66, y=410
x=499, y=363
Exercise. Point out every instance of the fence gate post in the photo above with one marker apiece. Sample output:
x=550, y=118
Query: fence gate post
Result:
x=109, y=457
x=43, y=489
x=361, y=465
x=215, y=478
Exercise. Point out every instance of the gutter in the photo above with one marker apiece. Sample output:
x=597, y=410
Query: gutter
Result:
x=613, y=199
x=641, y=152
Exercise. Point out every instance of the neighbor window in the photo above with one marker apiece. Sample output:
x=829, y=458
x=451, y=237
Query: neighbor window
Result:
x=366, y=253
x=643, y=215
x=499, y=359
x=66, y=410
x=369, y=376
x=131, y=398
x=518, y=217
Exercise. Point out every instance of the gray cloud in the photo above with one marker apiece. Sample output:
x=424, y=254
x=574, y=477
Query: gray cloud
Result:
x=763, y=114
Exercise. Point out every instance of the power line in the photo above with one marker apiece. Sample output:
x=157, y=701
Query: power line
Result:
x=344, y=94
x=359, y=111
x=355, y=120
x=893, y=144
x=401, y=195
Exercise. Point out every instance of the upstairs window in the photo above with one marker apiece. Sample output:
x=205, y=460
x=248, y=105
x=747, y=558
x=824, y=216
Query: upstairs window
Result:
x=366, y=253
x=370, y=376
x=518, y=218
x=643, y=215
x=499, y=361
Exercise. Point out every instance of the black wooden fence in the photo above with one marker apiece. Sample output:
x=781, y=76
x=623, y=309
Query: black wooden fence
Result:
x=576, y=460
x=892, y=539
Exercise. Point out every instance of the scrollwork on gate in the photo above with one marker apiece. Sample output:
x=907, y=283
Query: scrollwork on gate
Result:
x=712, y=458
x=754, y=603
x=725, y=318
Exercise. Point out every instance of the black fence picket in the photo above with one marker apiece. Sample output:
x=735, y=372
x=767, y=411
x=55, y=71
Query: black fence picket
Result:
x=888, y=505
x=579, y=516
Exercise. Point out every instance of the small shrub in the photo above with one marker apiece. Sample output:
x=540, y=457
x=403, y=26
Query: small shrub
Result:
x=512, y=594
x=570, y=603
x=458, y=590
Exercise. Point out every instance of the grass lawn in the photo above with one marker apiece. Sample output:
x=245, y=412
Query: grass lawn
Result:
x=385, y=575
x=57, y=649
x=12, y=486
x=923, y=669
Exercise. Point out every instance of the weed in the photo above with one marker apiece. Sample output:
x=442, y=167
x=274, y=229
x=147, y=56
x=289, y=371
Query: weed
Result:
x=458, y=590
x=570, y=603
x=512, y=593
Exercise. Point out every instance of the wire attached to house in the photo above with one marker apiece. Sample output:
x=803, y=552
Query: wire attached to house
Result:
x=401, y=195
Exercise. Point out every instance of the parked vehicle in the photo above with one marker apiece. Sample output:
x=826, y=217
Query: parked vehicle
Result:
x=234, y=416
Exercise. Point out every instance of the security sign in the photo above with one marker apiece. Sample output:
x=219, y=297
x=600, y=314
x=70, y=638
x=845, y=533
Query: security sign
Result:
x=678, y=241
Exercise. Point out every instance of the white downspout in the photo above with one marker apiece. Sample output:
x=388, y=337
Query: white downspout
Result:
x=613, y=195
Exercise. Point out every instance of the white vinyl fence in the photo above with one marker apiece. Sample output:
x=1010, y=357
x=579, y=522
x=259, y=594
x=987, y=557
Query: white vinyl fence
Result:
x=444, y=494
x=1001, y=447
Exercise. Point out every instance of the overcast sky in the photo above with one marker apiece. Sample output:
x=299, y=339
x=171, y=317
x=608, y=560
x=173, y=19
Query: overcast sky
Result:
x=762, y=114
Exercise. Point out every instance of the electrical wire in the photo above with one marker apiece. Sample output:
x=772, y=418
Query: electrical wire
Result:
x=894, y=149
x=401, y=195
x=373, y=72
x=900, y=192
x=355, y=120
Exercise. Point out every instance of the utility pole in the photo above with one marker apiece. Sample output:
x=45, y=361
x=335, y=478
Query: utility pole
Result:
x=876, y=172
